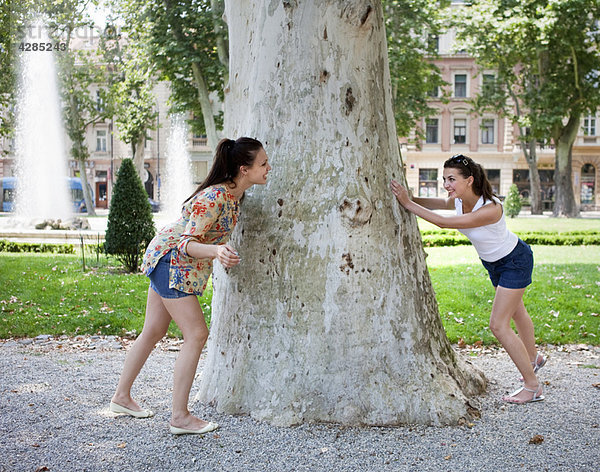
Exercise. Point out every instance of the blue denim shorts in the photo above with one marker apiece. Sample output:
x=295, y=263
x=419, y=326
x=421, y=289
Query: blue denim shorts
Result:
x=514, y=270
x=159, y=279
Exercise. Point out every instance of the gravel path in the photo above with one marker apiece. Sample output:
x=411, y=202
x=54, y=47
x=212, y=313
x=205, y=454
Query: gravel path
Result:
x=54, y=417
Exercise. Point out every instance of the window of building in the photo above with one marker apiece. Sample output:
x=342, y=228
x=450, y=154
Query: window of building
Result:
x=428, y=182
x=493, y=176
x=460, y=85
x=434, y=92
x=588, y=184
x=431, y=130
x=101, y=140
x=521, y=179
x=487, y=131
x=99, y=102
x=488, y=84
x=589, y=126
x=460, y=130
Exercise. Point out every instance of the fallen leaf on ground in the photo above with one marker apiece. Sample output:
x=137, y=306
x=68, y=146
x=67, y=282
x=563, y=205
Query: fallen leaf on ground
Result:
x=537, y=439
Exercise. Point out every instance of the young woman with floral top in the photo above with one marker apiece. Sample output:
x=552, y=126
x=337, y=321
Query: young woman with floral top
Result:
x=178, y=262
x=508, y=260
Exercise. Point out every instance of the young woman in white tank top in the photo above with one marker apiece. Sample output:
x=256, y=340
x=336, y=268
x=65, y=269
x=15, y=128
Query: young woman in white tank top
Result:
x=509, y=261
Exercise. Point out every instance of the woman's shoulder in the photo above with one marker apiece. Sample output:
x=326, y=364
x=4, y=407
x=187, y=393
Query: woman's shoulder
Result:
x=212, y=193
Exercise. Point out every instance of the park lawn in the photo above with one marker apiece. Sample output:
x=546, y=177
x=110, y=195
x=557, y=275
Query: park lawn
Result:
x=51, y=294
x=563, y=299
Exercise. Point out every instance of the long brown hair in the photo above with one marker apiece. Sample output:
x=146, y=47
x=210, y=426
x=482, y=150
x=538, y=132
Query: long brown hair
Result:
x=467, y=167
x=230, y=155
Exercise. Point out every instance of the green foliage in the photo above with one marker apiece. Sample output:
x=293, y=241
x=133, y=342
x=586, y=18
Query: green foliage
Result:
x=132, y=98
x=412, y=29
x=130, y=224
x=512, y=205
x=48, y=294
x=11, y=246
x=187, y=44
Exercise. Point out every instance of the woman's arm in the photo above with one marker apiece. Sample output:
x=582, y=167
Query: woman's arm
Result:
x=204, y=214
x=488, y=214
x=224, y=253
x=433, y=203
x=427, y=202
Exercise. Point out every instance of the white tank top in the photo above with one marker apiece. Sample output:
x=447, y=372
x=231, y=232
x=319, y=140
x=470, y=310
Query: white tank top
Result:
x=492, y=242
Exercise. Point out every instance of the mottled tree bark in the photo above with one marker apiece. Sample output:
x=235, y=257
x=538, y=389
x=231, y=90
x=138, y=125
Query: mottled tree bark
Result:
x=330, y=316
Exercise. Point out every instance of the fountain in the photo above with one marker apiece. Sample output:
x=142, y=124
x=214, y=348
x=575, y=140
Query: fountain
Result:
x=40, y=153
x=178, y=184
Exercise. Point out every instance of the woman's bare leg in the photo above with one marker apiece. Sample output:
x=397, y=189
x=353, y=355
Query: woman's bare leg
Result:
x=526, y=331
x=155, y=327
x=186, y=312
x=506, y=303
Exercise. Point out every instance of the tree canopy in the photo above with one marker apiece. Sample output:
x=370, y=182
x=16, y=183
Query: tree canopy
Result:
x=187, y=42
x=413, y=28
x=547, y=57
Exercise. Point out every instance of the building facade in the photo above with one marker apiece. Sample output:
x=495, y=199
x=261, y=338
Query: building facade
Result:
x=491, y=141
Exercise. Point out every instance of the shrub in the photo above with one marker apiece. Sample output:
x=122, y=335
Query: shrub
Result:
x=11, y=246
x=512, y=205
x=130, y=225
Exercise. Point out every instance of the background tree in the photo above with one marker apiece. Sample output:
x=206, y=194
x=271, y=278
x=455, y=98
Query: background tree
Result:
x=133, y=102
x=130, y=224
x=331, y=315
x=413, y=28
x=493, y=48
x=554, y=46
x=188, y=44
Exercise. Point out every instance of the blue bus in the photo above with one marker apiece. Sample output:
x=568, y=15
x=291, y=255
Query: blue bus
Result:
x=7, y=193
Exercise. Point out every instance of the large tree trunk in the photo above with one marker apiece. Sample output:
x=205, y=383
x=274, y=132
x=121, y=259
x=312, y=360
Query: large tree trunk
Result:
x=331, y=315
x=564, y=202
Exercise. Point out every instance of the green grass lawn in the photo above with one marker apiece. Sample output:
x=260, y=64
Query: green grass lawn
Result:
x=50, y=294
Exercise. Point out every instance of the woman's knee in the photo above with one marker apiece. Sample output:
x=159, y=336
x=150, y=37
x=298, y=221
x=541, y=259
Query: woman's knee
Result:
x=498, y=327
x=153, y=334
x=196, y=335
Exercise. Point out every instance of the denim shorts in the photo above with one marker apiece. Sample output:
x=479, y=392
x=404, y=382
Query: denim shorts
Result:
x=159, y=279
x=514, y=270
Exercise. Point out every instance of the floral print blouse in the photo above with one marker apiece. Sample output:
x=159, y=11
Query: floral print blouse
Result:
x=208, y=218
